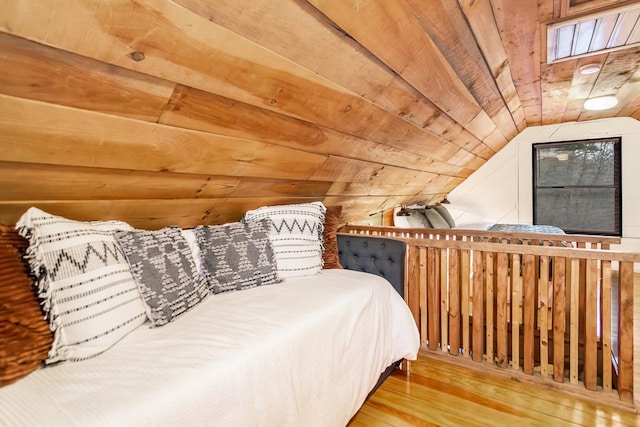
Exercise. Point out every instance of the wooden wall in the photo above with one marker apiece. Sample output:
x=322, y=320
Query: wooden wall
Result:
x=190, y=112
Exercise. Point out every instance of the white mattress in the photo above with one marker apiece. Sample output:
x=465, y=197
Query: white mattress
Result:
x=303, y=352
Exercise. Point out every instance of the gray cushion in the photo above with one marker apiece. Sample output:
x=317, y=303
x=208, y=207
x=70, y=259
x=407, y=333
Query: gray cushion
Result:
x=237, y=256
x=417, y=219
x=163, y=267
x=444, y=213
x=436, y=220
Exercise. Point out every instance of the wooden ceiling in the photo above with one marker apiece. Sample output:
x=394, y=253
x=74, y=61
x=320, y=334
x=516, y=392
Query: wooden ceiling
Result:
x=183, y=112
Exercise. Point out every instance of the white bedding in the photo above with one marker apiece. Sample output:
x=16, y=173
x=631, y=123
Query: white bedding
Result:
x=304, y=352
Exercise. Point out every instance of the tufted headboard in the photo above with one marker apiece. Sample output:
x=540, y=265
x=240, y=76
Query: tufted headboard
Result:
x=378, y=255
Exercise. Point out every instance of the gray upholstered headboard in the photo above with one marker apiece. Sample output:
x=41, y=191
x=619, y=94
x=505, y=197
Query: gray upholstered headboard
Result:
x=377, y=255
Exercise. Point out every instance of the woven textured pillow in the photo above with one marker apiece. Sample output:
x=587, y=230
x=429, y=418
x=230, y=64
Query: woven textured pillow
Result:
x=88, y=293
x=237, y=256
x=163, y=267
x=296, y=236
x=25, y=337
x=330, y=256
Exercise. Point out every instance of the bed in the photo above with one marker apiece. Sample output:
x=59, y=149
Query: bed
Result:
x=305, y=351
x=438, y=216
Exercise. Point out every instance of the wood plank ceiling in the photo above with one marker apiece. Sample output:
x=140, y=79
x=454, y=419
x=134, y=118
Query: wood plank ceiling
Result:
x=184, y=112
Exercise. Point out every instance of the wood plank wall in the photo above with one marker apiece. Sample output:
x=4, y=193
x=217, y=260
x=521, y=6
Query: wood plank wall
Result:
x=185, y=112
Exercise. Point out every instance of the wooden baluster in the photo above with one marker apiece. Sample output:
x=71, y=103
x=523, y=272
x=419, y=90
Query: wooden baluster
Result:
x=625, y=331
x=501, y=309
x=574, y=288
x=516, y=301
x=605, y=316
x=528, y=283
x=544, y=316
x=454, y=302
x=433, y=299
x=424, y=335
x=478, y=307
x=559, y=317
x=582, y=295
x=444, y=297
x=489, y=280
x=591, y=319
x=412, y=286
x=465, y=283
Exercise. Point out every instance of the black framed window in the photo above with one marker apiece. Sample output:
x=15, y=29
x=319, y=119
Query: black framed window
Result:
x=577, y=186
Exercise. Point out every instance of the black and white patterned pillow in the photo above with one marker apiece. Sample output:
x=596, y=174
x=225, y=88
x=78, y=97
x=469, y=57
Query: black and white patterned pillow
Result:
x=88, y=293
x=296, y=236
x=237, y=256
x=163, y=268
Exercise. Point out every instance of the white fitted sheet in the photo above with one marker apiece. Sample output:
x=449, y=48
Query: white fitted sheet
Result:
x=303, y=352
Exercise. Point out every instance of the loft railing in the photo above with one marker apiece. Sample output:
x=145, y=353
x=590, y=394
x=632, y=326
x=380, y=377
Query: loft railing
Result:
x=564, y=240
x=535, y=304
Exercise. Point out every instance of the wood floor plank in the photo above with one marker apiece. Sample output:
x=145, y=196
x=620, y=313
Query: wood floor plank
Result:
x=513, y=388
x=437, y=392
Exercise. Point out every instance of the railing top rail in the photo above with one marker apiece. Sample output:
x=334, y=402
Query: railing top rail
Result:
x=552, y=251
x=537, y=250
x=485, y=234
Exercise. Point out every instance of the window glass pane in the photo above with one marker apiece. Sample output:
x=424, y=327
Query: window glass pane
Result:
x=576, y=164
x=584, y=210
x=577, y=186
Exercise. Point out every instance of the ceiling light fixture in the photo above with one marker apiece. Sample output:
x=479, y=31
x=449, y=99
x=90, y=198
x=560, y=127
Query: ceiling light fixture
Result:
x=589, y=69
x=601, y=103
x=562, y=156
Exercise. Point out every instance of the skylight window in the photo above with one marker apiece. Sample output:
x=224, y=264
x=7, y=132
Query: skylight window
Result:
x=594, y=34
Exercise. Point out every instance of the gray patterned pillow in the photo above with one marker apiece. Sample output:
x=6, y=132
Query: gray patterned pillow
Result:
x=237, y=256
x=163, y=268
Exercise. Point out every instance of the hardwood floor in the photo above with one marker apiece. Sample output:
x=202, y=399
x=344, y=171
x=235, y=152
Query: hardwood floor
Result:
x=439, y=393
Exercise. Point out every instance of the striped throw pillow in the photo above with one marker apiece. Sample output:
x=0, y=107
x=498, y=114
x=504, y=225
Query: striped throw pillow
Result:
x=88, y=293
x=296, y=236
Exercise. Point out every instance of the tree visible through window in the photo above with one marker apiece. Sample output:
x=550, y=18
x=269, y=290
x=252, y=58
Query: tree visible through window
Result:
x=576, y=186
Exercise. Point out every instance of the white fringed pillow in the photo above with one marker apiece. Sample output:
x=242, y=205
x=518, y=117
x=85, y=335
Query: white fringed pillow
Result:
x=88, y=293
x=295, y=235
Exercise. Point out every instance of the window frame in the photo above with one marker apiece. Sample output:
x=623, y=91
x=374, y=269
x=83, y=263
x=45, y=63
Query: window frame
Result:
x=617, y=182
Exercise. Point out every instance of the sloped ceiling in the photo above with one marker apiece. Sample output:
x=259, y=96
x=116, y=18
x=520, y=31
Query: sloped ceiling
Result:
x=191, y=111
